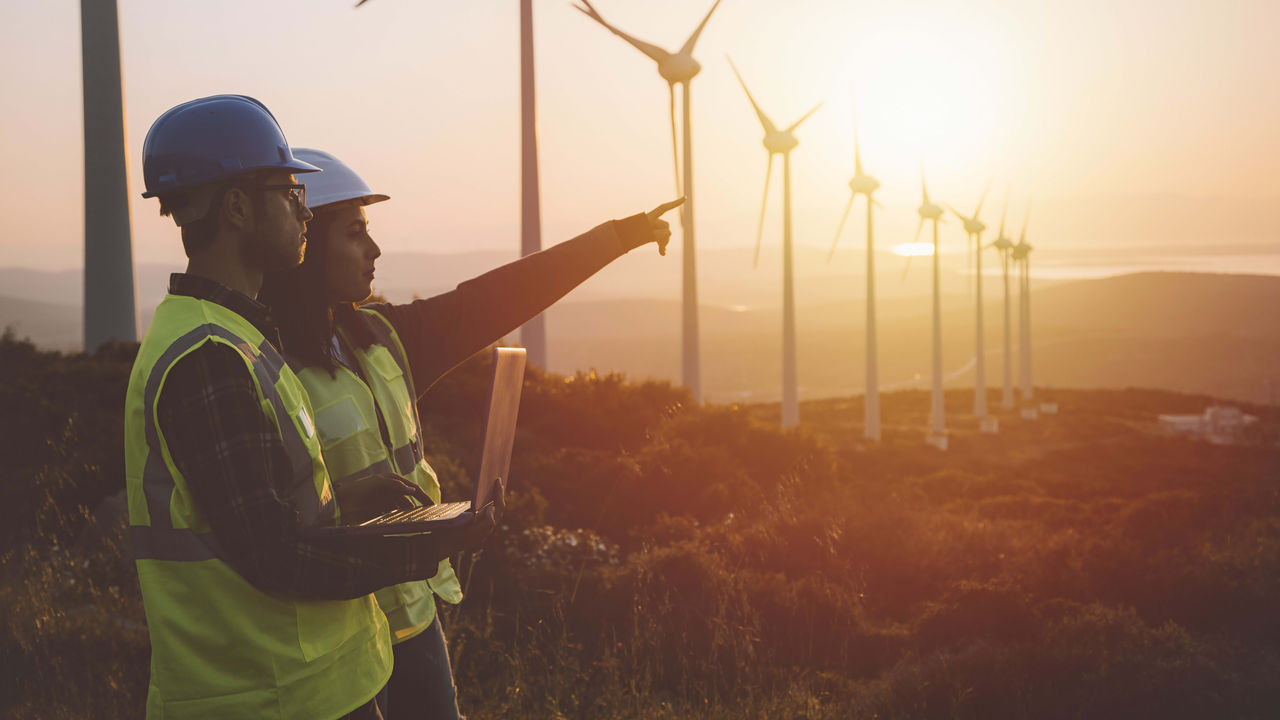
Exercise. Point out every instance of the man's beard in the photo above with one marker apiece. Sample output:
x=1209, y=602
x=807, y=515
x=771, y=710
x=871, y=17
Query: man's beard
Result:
x=269, y=251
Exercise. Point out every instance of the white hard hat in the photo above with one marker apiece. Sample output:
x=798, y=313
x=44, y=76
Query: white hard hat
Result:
x=338, y=183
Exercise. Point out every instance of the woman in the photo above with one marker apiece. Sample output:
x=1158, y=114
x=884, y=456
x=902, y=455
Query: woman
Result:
x=365, y=369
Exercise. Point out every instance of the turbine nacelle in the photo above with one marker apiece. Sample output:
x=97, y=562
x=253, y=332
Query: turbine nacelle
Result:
x=1021, y=250
x=780, y=141
x=863, y=185
x=1002, y=244
x=678, y=68
x=929, y=211
x=973, y=226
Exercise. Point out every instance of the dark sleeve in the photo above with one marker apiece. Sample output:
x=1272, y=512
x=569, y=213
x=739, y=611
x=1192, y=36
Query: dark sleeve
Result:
x=237, y=472
x=440, y=332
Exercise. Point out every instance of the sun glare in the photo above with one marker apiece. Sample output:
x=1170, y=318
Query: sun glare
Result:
x=913, y=248
x=932, y=88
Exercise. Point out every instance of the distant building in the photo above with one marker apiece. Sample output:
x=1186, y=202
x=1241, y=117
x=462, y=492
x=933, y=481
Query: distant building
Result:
x=1217, y=424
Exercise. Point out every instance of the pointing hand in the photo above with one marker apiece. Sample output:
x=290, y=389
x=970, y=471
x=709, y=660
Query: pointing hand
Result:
x=662, y=230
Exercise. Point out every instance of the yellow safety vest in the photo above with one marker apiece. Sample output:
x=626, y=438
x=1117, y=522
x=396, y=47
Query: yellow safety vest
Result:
x=346, y=416
x=220, y=647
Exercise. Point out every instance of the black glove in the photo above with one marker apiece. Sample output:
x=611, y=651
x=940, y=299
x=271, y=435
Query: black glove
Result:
x=444, y=543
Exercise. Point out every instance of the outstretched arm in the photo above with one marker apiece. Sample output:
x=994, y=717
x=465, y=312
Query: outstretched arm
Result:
x=440, y=332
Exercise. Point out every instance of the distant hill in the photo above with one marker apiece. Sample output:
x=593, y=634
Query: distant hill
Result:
x=49, y=325
x=1189, y=332
x=1209, y=334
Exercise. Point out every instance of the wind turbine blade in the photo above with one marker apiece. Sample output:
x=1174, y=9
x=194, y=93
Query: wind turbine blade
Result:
x=957, y=213
x=857, y=150
x=877, y=203
x=924, y=187
x=905, y=269
x=848, y=206
x=653, y=51
x=804, y=117
x=1025, y=221
x=769, y=127
x=983, y=199
x=1003, y=214
x=687, y=48
x=969, y=253
x=764, y=203
x=675, y=154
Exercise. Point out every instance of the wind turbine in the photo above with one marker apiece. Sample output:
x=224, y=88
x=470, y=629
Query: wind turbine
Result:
x=863, y=184
x=678, y=68
x=929, y=210
x=974, y=228
x=782, y=142
x=1005, y=246
x=108, y=246
x=1021, y=255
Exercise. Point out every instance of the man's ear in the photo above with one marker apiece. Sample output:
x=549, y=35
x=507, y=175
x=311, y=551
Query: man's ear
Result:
x=236, y=208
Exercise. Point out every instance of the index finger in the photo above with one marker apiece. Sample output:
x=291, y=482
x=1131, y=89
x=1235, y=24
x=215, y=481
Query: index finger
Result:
x=412, y=489
x=666, y=207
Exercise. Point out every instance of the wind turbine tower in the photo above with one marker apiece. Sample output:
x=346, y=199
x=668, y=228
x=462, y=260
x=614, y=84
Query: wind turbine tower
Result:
x=864, y=184
x=974, y=227
x=1022, y=256
x=534, y=333
x=678, y=68
x=929, y=210
x=782, y=142
x=1005, y=246
x=108, y=247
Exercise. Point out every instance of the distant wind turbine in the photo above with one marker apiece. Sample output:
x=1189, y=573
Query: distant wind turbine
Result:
x=1004, y=246
x=864, y=184
x=974, y=227
x=782, y=142
x=929, y=210
x=1022, y=256
x=678, y=68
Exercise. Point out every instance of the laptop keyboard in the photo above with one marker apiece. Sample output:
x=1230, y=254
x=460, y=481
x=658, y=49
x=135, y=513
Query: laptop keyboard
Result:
x=428, y=512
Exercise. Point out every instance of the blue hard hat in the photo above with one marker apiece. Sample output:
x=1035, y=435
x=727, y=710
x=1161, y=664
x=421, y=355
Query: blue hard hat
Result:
x=212, y=139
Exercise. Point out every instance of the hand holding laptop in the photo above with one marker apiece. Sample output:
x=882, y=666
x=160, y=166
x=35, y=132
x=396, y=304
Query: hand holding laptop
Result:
x=472, y=535
x=367, y=497
x=485, y=507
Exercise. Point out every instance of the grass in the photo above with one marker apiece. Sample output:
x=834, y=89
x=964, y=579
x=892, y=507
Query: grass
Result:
x=661, y=560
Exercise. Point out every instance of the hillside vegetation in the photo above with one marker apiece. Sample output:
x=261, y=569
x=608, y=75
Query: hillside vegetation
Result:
x=1199, y=333
x=664, y=560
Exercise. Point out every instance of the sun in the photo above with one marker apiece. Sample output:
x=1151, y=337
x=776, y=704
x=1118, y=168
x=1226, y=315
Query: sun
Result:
x=932, y=88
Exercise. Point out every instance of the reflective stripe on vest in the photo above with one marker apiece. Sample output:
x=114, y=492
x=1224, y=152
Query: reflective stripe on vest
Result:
x=161, y=541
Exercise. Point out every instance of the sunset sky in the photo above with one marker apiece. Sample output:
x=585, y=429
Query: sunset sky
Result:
x=1135, y=123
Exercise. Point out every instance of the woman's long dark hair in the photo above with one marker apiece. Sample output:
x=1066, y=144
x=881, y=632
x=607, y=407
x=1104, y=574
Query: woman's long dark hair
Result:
x=301, y=308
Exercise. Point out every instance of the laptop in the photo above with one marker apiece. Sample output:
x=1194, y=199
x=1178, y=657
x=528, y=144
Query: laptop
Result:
x=495, y=461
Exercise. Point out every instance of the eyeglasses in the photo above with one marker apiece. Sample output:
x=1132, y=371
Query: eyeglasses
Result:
x=297, y=192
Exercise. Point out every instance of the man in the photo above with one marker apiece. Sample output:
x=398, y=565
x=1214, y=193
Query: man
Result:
x=249, y=616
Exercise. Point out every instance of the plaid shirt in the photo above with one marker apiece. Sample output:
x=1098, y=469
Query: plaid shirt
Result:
x=235, y=467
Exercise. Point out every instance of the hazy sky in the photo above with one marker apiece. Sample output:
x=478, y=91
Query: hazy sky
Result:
x=1145, y=122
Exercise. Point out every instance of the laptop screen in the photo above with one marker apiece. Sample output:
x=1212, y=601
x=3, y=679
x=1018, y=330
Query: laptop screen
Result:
x=499, y=422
